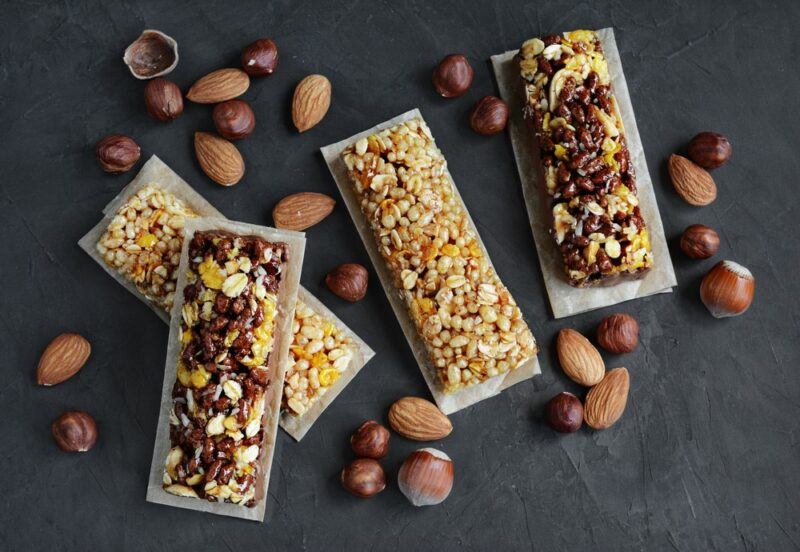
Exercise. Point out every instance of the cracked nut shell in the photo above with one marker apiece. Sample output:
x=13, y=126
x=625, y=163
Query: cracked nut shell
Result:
x=163, y=99
x=564, y=413
x=453, y=76
x=234, y=119
x=710, y=150
x=370, y=440
x=74, y=431
x=363, y=478
x=618, y=333
x=151, y=55
x=117, y=153
x=489, y=116
x=348, y=281
x=699, y=242
x=260, y=58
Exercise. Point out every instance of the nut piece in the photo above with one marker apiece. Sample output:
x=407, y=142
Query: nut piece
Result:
x=234, y=119
x=692, y=182
x=260, y=58
x=117, y=153
x=618, y=333
x=371, y=440
x=418, y=419
x=710, y=150
x=426, y=477
x=348, y=281
x=606, y=401
x=163, y=99
x=453, y=76
x=727, y=289
x=579, y=359
x=363, y=477
x=218, y=158
x=302, y=210
x=218, y=86
x=74, y=431
x=564, y=413
x=489, y=116
x=151, y=55
x=62, y=359
x=311, y=101
x=699, y=242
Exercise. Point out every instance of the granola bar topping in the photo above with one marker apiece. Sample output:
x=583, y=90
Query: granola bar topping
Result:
x=470, y=324
x=226, y=339
x=597, y=224
x=143, y=242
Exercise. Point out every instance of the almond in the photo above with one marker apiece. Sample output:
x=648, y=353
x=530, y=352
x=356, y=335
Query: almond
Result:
x=218, y=158
x=580, y=359
x=62, y=359
x=418, y=419
x=219, y=86
x=301, y=211
x=691, y=181
x=311, y=101
x=606, y=401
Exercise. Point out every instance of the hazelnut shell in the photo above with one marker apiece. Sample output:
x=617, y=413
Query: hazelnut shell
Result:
x=618, y=333
x=453, y=76
x=699, y=242
x=260, y=58
x=348, y=281
x=564, y=413
x=489, y=116
x=370, y=440
x=727, y=289
x=163, y=99
x=74, y=431
x=153, y=54
x=117, y=153
x=363, y=478
x=234, y=119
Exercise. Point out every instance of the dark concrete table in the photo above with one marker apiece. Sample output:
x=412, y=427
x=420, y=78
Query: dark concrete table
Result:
x=707, y=453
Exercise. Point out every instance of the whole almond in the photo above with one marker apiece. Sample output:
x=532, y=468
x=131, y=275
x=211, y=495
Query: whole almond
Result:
x=418, y=419
x=311, y=101
x=691, y=181
x=62, y=359
x=580, y=359
x=606, y=401
x=219, y=86
x=218, y=158
x=301, y=211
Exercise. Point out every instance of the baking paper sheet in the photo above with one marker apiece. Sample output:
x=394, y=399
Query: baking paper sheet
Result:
x=298, y=426
x=566, y=300
x=450, y=402
x=278, y=360
x=155, y=171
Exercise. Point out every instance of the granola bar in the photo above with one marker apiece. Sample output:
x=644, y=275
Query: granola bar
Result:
x=588, y=175
x=143, y=242
x=219, y=393
x=470, y=325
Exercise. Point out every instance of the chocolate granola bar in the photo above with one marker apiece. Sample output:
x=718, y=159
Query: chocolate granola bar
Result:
x=228, y=311
x=588, y=176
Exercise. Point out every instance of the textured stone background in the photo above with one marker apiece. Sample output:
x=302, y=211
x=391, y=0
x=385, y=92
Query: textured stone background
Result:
x=707, y=454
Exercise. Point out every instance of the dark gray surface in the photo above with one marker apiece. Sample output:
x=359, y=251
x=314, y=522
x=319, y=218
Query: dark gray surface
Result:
x=706, y=455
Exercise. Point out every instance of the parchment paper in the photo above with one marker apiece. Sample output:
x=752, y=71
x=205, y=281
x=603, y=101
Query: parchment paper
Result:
x=566, y=300
x=155, y=172
x=298, y=426
x=447, y=402
x=278, y=359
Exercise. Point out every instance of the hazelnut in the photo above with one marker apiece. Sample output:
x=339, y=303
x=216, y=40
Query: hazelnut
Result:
x=234, y=119
x=699, y=241
x=163, y=99
x=117, y=153
x=371, y=440
x=453, y=76
x=564, y=413
x=710, y=150
x=74, y=431
x=727, y=289
x=260, y=58
x=618, y=333
x=348, y=281
x=489, y=116
x=363, y=478
x=426, y=477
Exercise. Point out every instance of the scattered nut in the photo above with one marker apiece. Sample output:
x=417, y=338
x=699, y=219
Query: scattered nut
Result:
x=606, y=401
x=234, y=119
x=579, y=359
x=489, y=116
x=302, y=210
x=564, y=413
x=453, y=76
x=363, y=477
x=260, y=58
x=710, y=150
x=62, y=359
x=311, y=101
x=218, y=86
x=370, y=440
x=163, y=99
x=218, y=158
x=74, y=431
x=418, y=419
x=117, y=153
x=727, y=289
x=699, y=242
x=692, y=182
x=426, y=477
x=151, y=55
x=618, y=333
x=348, y=281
